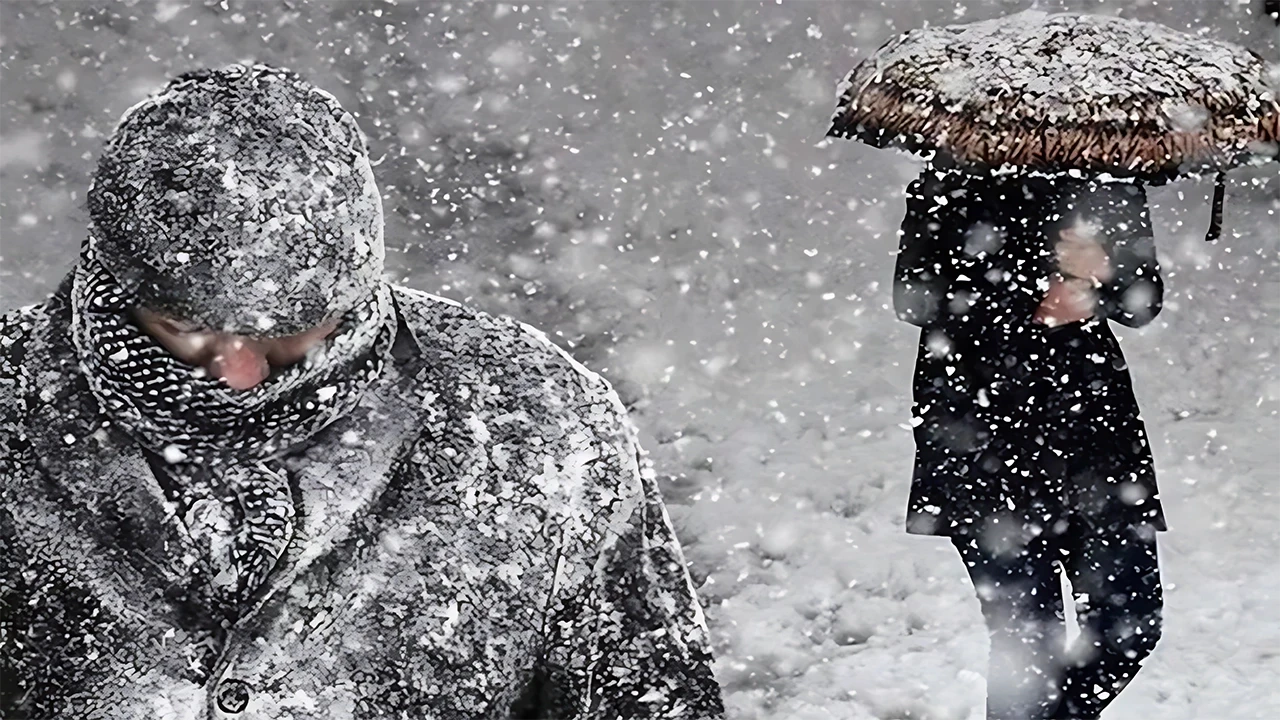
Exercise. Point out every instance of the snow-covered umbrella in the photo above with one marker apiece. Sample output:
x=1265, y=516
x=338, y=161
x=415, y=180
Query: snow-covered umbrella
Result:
x=1055, y=92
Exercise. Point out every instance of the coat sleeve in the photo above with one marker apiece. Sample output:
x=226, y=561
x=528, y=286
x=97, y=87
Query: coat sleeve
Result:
x=1135, y=294
x=626, y=635
x=939, y=282
x=922, y=277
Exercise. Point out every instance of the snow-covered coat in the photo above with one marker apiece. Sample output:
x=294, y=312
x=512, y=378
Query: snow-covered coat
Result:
x=436, y=514
x=479, y=537
x=1018, y=426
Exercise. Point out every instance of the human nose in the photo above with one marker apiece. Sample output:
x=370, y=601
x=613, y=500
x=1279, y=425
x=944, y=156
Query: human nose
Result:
x=238, y=362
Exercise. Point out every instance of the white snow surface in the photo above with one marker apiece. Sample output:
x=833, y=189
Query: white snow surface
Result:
x=649, y=184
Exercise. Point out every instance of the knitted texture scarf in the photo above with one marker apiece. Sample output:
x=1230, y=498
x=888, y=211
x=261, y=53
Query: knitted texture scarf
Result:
x=220, y=445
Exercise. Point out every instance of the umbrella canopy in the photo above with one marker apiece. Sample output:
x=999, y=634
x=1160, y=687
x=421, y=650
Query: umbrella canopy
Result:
x=1066, y=91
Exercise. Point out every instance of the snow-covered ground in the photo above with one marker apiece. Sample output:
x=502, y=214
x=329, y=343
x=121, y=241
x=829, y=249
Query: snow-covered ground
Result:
x=649, y=182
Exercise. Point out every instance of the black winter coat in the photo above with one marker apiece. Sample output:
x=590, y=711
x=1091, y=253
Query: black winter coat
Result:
x=1018, y=426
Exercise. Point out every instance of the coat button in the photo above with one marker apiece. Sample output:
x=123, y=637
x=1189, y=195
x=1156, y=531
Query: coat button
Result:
x=233, y=696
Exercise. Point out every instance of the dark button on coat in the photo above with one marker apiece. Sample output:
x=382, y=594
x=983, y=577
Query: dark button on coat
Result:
x=1017, y=425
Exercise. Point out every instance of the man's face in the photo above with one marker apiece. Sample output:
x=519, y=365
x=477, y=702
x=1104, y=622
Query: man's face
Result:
x=241, y=361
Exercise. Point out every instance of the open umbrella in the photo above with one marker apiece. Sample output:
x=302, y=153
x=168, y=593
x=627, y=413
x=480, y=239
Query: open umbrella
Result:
x=1056, y=92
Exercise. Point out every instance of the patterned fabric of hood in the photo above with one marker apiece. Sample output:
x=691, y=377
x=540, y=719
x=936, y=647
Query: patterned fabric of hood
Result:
x=241, y=200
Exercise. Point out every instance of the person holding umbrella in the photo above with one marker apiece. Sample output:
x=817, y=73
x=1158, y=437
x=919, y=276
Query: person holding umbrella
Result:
x=1030, y=447
x=1025, y=236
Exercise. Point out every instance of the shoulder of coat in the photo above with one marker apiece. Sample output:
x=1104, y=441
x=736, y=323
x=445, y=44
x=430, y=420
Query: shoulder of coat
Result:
x=17, y=327
x=510, y=384
x=483, y=345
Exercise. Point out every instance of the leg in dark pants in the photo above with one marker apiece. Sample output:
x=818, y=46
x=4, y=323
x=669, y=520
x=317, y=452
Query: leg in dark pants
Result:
x=1021, y=598
x=1115, y=578
x=1116, y=583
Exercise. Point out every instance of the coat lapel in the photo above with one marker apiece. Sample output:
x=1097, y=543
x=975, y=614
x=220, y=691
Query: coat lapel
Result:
x=343, y=474
x=93, y=489
x=97, y=473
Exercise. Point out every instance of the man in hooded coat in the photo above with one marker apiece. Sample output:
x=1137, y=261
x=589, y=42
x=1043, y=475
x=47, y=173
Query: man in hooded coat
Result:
x=1031, y=454
x=242, y=476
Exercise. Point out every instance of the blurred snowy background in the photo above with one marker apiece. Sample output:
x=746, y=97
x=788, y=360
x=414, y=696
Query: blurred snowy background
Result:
x=648, y=181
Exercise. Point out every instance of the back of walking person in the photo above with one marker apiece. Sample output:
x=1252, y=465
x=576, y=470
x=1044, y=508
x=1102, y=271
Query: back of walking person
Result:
x=1031, y=454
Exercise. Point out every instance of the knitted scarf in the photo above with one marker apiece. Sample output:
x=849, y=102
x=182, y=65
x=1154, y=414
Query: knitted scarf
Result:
x=221, y=446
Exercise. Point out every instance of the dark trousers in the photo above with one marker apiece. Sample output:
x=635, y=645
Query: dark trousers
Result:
x=1115, y=581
